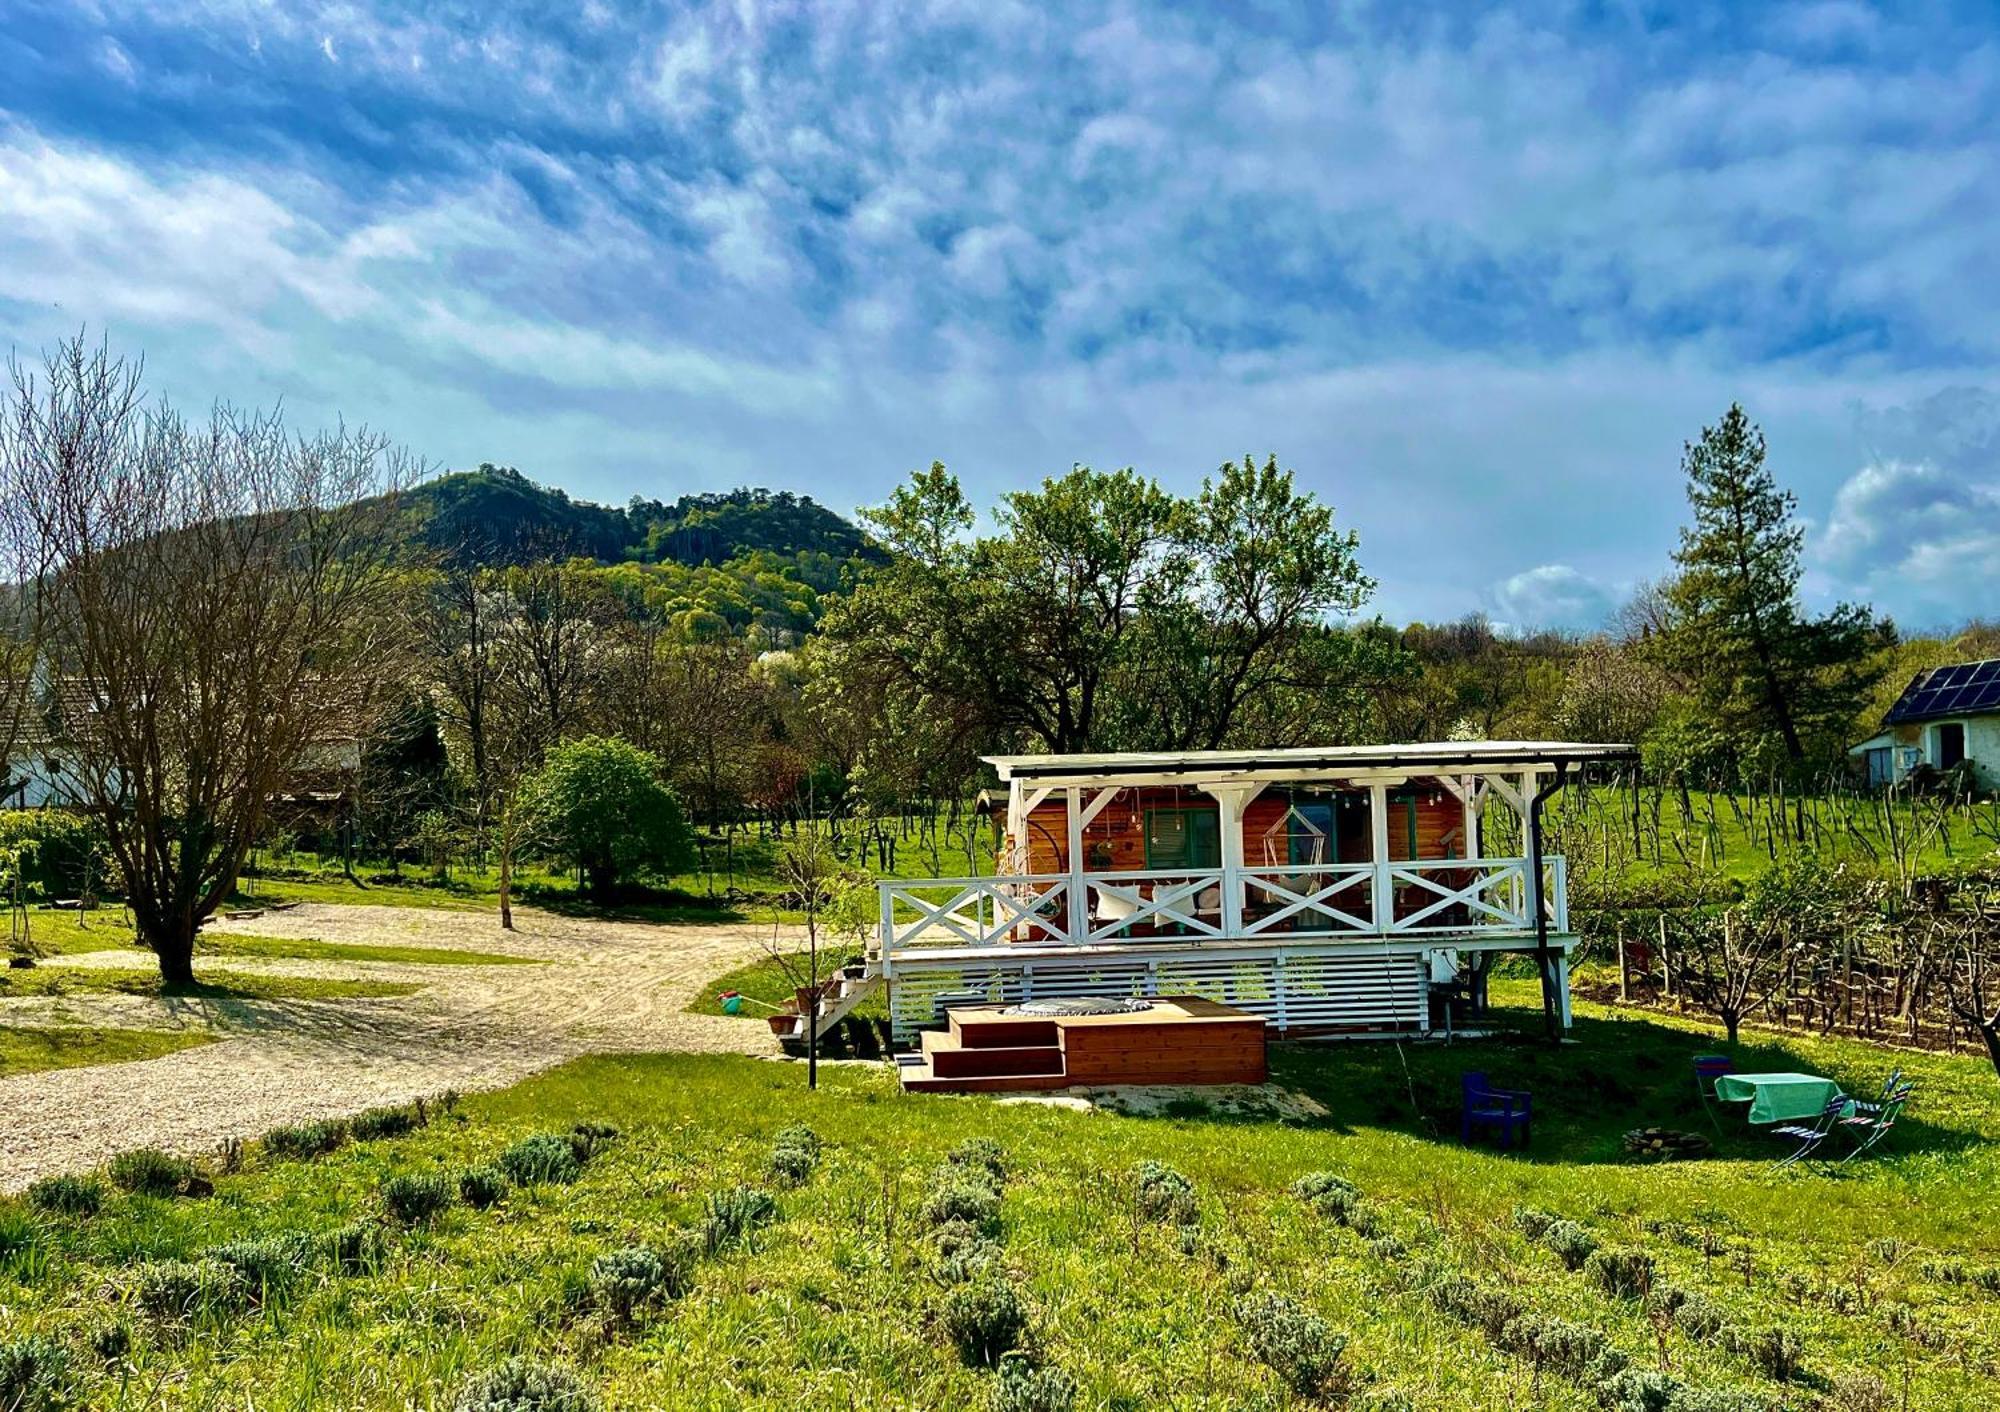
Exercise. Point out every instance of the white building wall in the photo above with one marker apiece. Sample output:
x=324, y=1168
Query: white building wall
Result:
x=1982, y=747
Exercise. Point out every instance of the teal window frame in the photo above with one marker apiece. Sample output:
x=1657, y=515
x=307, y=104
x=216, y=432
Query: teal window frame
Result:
x=1201, y=828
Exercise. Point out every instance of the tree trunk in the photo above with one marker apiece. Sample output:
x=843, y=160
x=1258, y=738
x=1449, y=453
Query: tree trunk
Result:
x=1989, y=1030
x=172, y=941
x=1731, y=1022
x=506, y=889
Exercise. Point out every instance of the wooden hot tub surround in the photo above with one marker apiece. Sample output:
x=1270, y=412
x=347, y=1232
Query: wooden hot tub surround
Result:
x=1178, y=1039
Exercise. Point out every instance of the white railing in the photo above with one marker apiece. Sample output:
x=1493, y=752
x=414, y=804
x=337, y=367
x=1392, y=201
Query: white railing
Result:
x=1309, y=901
x=1124, y=906
x=1425, y=897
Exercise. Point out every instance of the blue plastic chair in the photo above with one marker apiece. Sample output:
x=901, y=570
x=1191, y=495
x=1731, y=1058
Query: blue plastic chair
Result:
x=1707, y=1069
x=1500, y=1110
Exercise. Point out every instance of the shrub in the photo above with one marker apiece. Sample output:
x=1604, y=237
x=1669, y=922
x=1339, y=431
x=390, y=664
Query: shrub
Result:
x=981, y=1154
x=545, y=1157
x=794, y=1154
x=1698, y=1316
x=357, y=1248
x=482, y=1187
x=1163, y=1193
x=382, y=1122
x=1532, y=1221
x=173, y=1290
x=1022, y=1387
x=1571, y=1350
x=963, y=1251
x=268, y=1266
x=1571, y=1243
x=959, y=1197
x=602, y=804
x=523, y=1385
x=1487, y=1309
x=1388, y=1249
x=1295, y=1343
x=1626, y=1273
x=147, y=1171
x=732, y=1217
x=1327, y=1193
x=586, y=1140
x=1639, y=1390
x=416, y=1197
x=67, y=1196
x=305, y=1140
x=624, y=1283
x=1775, y=1351
x=35, y=1374
x=19, y=1232
x=984, y=1319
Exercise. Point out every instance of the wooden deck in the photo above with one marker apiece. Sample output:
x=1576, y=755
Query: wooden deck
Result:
x=1180, y=1039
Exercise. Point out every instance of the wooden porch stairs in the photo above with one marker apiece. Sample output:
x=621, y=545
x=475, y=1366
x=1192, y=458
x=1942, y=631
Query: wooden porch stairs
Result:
x=1180, y=1040
x=843, y=994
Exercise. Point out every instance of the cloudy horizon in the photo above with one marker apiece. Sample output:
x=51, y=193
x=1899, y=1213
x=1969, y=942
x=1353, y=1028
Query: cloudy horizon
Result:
x=1475, y=276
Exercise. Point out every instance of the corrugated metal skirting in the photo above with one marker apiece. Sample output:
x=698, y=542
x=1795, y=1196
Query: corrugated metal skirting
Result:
x=1294, y=989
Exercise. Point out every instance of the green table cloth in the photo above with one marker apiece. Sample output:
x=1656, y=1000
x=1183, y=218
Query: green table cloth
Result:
x=1778, y=1098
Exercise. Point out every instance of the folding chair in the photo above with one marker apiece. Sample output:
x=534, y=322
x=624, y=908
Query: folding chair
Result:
x=1811, y=1135
x=1707, y=1069
x=1501, y=1109
x=1870, y=1122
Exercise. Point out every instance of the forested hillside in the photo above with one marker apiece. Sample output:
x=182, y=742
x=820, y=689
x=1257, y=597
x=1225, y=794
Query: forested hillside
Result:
x=496, y=515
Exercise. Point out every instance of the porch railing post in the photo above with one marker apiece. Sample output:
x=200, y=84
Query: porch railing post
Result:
x=1384, y=890
x=1232, y=801
x=1079, y=900
x=888, y=929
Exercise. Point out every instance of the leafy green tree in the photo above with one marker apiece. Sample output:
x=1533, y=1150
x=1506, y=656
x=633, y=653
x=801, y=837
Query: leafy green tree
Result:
x=600, y=801
x=1764, y=669
x=1104, y=611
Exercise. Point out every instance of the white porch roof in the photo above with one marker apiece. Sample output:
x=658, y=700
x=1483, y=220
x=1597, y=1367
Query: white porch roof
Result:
x=1427, y=757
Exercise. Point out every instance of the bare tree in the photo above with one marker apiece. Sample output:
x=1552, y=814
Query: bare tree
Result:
x=1972, y=971
x=219, y=603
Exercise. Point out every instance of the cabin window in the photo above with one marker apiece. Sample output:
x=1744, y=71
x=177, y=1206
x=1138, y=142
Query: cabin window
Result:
x=1182, y=838
x=1308, y=848
x=1950, y=744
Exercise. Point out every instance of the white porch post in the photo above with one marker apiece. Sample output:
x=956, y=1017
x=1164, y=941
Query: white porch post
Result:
x=1474, y=789
x=1079, y=902
x=1562, y=985
x=1232, y=800
x=1378, y=828
x=1079, y=815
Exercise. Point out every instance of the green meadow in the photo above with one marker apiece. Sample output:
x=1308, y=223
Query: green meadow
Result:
x=359, y=1278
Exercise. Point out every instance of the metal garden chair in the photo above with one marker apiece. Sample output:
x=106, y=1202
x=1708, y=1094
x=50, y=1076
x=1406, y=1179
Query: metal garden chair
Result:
x=1810, y=1135
x=1869, y=1123
x=1707, y=1069
x=1500, y=1109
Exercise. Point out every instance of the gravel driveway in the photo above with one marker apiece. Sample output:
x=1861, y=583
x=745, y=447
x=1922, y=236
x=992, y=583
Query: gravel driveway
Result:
x=610, y=986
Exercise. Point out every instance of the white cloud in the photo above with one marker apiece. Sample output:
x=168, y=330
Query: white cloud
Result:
x=1551, y=596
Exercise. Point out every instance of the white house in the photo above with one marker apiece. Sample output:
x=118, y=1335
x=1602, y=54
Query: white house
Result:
x=1946, y=715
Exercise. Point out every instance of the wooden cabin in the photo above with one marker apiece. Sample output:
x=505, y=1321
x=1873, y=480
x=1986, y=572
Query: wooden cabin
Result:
x=1360, y=889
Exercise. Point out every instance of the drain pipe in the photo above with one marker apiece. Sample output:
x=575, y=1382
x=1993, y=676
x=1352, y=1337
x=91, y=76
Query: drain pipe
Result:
x=1551, y=1017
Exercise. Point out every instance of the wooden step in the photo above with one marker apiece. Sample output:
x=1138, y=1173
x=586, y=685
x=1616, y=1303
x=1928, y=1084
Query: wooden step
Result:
x=955, y=1063
x=982, y=1029
x=918, y=1078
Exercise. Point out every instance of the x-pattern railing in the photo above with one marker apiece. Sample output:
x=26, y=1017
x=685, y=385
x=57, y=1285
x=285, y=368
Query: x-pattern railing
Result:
x=1175, y=900
x=1307, y=894
x=1366, y=899
x=999, y=907
x=1475, y=896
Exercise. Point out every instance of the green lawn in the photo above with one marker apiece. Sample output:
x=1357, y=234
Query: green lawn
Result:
x=26, y=1049
x=213, y=985
x=1888, y=1267
x=308, y=949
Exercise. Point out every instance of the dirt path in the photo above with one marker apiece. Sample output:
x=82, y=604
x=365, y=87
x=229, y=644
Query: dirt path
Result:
x=610, y=986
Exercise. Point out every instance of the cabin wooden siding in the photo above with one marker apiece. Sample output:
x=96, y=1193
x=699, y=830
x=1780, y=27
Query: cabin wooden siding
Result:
x=1115, y=841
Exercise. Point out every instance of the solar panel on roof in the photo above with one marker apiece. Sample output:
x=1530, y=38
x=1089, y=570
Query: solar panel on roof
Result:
x=1960, y=688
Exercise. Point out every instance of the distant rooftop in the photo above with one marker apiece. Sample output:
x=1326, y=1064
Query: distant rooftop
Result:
x=1958, y=689
x=1425, y=756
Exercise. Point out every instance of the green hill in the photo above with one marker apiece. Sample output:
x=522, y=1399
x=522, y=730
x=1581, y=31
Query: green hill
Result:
x=496, y=515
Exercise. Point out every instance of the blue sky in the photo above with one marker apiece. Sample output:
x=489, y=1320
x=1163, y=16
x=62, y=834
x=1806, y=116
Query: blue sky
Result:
x=1475, y=273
